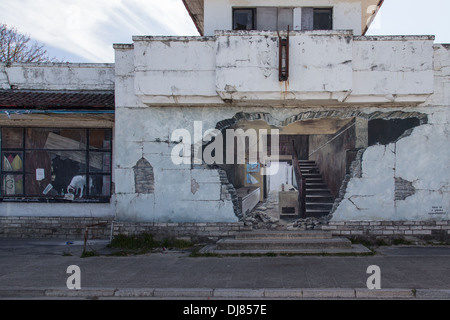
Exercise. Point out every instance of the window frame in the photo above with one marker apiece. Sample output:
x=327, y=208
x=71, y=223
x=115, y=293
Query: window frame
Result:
x=254, y=22
x=255, y=17
x=88, y=150
x=309, y=28
x=331, y=12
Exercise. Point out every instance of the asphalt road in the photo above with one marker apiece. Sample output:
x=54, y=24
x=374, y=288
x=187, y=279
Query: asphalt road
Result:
x=38, y=269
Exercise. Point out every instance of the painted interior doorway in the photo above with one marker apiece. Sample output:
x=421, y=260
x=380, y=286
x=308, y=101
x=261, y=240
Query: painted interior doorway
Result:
x=323, y=147
x=284, y=177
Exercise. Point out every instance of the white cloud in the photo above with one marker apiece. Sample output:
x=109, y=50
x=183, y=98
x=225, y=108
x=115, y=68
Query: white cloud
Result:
x=88, y=28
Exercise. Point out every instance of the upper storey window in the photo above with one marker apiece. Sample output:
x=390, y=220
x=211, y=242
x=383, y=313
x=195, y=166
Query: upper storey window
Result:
x=244, y=19
x=273, y=19
x=323, y=19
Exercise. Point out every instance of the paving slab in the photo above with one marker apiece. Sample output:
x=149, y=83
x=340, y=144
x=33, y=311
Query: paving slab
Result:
x=432, y=294
x=332, y=293
x=384, y=293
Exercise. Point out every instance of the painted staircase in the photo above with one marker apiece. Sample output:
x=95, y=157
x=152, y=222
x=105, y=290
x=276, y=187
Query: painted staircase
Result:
x=319, y=200
x=287, y=242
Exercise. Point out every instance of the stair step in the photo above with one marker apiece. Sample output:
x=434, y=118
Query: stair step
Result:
x=280, y=235
x=316, y=185
x=282, y=244
x=312, y=175
x=313, y=198
x=317, y=213
x=314, y=179
x=319, y=206
x=319, y=200
x=325, y=194
x=312, y=170
x=318, y=191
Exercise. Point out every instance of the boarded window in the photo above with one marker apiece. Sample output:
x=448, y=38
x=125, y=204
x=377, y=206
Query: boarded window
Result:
x=323, y=19
x=273, y=18
x=317, y=18
x=244, y=19
x=143, y=177
x=285, y=18
x=263, y=18
x=267, y=18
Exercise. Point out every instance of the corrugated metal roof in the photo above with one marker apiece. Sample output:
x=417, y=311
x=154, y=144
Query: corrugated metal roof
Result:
x=41, y=99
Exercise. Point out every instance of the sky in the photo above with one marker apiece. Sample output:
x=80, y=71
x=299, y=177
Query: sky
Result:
x=85, y=30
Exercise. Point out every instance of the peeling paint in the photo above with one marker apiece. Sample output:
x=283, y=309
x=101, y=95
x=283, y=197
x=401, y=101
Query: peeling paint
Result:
x=403, y=189
x=194, y=186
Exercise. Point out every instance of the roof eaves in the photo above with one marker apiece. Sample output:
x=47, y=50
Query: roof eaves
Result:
x=194, y=16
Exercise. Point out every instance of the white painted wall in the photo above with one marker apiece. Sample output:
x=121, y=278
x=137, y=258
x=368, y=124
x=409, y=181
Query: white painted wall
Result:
x=72, y=76
x=187, y=65
x=422, y=158
x=63, y=76
x=143, y=123
x=283, y=176
x=346, y=14
x=320, y=66
x=398, y=68
x=30, y=209
x=325, y=67
x=419, y=158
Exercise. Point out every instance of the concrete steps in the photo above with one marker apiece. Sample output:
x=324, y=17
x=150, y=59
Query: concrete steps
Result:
x=300, y=242
x=319, y=200
x=282, y=244
x=282, y=235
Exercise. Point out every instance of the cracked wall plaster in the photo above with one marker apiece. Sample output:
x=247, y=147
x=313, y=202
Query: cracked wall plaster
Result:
x=137, y=129
x=403, y=189
x=404, y=180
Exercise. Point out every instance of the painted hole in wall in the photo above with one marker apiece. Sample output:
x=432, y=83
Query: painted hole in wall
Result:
x=144, y=177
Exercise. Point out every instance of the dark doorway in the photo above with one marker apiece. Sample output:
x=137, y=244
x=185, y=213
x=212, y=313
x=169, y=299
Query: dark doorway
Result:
x=387, y=131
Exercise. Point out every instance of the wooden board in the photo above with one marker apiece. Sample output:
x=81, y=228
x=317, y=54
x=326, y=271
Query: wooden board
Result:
x=55, y=141
x=304, y=127
x=248, y=198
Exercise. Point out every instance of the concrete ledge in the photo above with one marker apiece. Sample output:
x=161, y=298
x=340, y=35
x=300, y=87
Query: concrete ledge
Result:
x=183, y=292
x=239, y=293
x=227, y=293
x=433, y=294
x=83, y=293
x=384, y=293
x=283, y=293
x=328, y=293
x=21, y=293
x=134, y=293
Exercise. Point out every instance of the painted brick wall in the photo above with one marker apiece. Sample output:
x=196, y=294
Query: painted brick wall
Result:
x=209, y=232
x=72, y=228
x=428, y=230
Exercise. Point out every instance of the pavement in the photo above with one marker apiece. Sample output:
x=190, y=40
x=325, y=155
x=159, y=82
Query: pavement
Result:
x=37, y=269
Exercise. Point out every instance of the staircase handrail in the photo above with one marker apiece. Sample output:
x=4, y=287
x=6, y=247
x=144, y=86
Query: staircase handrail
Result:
x=301, y=182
